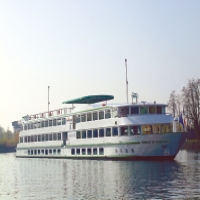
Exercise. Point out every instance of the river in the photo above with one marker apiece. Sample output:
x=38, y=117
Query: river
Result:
x=24, y=178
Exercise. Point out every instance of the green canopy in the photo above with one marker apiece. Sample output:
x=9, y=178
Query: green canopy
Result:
x=90, y=99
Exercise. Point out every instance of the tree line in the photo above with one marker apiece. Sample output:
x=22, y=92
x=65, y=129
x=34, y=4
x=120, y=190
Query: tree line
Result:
x=8, y=138
x=187, y=104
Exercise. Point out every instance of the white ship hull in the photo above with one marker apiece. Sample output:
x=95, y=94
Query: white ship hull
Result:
x=138, y=147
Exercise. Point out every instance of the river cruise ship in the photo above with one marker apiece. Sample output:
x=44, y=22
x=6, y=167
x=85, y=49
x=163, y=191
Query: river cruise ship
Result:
x=96, y=130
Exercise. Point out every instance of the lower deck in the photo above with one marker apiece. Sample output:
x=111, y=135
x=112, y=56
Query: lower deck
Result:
x=155, y=146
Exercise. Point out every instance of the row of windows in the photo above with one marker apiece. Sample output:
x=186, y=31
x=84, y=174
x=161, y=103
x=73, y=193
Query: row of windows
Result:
x=44, y=152
x=102, y=132
x=47, y=123
x=98, y=115
x=88, y=151
x=143, y=110
x=124, y=130
x=41, y=138
x=107, y=132
x=93, y=116
x=83, y=151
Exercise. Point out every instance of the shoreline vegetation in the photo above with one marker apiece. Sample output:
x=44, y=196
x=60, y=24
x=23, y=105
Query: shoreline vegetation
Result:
x=8, y=140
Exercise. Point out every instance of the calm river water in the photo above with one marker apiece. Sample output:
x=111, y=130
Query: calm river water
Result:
x=22, y=178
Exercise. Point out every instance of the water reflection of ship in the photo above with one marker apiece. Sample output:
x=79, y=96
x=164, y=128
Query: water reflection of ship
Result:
x=90, y=179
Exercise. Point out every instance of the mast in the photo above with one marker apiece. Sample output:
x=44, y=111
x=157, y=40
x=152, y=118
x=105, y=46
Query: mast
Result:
x=126, y=80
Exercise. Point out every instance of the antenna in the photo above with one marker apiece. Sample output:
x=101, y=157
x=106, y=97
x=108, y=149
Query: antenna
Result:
x=48, y=100
x=126, y=80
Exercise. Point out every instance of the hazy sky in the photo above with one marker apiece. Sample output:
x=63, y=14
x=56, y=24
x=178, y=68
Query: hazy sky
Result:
x=78, y=48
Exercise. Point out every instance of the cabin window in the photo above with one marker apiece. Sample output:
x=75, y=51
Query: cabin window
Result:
x=101, y=151
x=147, y=129
x=39, y=124
x=29, y=152
x=59, y=136
x=78, y=134
x=163, y=110
x=46, y=152
x=38, y=151
x=83, y=134
x=115, y=112
x=54, y=122
x=83, y=118
x=35, y=152
x=83, y=151
x=35, y=125
x=95, y=133
x=46, y=137
x=39, y=138
x=42, y=151
x=89, y=116
x=54, y=151
x=143, y=110
x=126, y=110
x=107, y=114
x=135, y=130
x=101, y=132
x=134, y=110
x=42, y=124
x=115, y=131
x=54, y=136
x=78, y=152
x=95, y=116
x=31, y=125
x=94, y=151
x=32, y=138
x=42, y=137
x=25, y=127
x=21, y=139
x=50, y=137
x=89, y=133
x=152, y=109
x=50, y=151
x=108, y=132
x=50, y=122
x=72, y=151
x=36, y=138
x=59, y=121
x=89, y=151
x=46, y=123
x=25, y=139
x=63, y=121
x=77, y=118
x=29, y=138
x=159, y=109
x=58, y=151
x=124, y=130
x=101, y=115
